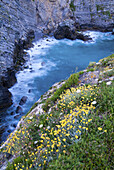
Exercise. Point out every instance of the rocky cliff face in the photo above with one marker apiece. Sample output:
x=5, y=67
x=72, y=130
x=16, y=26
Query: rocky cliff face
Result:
x=20, y=19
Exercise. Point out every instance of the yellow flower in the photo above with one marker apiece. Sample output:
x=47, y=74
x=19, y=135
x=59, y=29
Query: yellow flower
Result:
x=64, y=139
x=99, y=128
x=105, y=130
x=64, y=151
x=76, y=136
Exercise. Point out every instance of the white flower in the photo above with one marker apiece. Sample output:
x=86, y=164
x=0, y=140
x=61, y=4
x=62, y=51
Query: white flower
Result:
x=94, y=102
x=48, y=127
x=109, y=83
x=41, y=126
x=78, y=91
x=61, y=113
x=31, y=117
x=35, y=142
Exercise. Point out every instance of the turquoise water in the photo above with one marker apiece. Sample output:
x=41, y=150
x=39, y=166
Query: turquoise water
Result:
x=52, y=61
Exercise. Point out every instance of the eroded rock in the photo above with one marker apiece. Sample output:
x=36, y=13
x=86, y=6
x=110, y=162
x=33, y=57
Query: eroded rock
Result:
x=23, y=100
x=5, y=97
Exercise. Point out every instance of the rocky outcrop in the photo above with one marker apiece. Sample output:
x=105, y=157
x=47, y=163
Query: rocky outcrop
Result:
x=67, y=29
x=5, y=97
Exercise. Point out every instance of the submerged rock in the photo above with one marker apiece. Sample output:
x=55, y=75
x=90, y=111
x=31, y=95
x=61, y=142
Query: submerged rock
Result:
x=23, y=100
x=83, y=37
x=16, y=117
x=19, y=109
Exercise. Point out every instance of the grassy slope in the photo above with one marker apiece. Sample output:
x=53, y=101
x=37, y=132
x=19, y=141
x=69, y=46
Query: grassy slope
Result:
x=60, y=149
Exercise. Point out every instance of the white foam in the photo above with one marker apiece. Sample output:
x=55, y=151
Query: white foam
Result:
x=99, y=35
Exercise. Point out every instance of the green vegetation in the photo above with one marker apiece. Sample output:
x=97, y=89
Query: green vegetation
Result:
x=95, y=149
x=76, y=133
x=72, y=6
x=73, y=80
x=91, y=69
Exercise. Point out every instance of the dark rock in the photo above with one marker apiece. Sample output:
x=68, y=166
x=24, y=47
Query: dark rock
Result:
x=83, y=37
x=5, y=97
x=19, y=110
x=12, y=113
x=16, y=117
x=9, y=79
x=43, y=63
x=29, y=91
x=23, y=100
x=9, y=130
x=13, y=125
x=65, y=32
x=3, y=128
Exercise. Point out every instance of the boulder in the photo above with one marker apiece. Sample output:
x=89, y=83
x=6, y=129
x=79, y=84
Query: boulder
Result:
x=64, y=32
x=83, y=37
x=23, y=100
x=5, y=97
x=16, y=117
x=19, y=109
x=67, y=29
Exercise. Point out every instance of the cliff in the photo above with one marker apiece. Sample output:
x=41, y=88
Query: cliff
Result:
x=18, y=17
x=22, y=21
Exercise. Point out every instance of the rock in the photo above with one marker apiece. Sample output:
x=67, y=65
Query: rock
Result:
x=3, y=128
x=83, y=37
x=19, y=110
x=13, y=125
x=64, y=32
x=29, y=91
x=5, y=97
x=9, y=78
x=43, y=63
x=9, y=130
x=23, y=100
x=16, y=117
x=12, y=113
x=67, y=29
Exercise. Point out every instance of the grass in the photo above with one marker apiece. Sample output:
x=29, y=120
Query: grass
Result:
x=77, y=132
x=95, y=149
x=73, y=80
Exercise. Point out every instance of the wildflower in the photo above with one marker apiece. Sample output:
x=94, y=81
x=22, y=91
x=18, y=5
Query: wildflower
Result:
x=78, y=91
x=94, y=102
x=31, y=117
x=99, y=128
x=105, y=130
x=48, y=127
x=41, y=126
x=109, y=83
x=64, y=151
x=64, y=139
x=35, y=142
